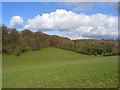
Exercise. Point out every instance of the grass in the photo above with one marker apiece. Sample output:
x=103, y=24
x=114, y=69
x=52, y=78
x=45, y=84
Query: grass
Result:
x=56, y=68
x=0, y=71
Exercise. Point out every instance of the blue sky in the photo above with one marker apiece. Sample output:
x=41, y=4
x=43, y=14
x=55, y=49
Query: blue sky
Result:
x=28, y=10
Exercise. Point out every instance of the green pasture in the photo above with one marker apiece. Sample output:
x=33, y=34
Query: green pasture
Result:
x=57, y=68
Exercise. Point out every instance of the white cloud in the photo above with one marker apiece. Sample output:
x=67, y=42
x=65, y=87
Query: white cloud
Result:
x=76, y=25
x=60, y=1
x=16, y=22
x=79, y=6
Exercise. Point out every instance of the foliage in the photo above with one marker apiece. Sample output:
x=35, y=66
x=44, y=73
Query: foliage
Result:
x=15, y=42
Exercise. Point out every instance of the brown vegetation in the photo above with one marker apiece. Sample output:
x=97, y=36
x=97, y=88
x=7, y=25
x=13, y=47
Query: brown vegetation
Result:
x=14, y=42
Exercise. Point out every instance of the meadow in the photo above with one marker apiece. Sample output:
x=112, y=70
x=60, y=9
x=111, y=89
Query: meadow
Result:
x=57, y=68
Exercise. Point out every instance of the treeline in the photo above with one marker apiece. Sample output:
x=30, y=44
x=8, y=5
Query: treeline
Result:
x=97, y=47
x=14, y=42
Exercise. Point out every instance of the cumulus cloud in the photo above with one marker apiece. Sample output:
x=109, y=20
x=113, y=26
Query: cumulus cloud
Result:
x=16, y=22
x=76, y=25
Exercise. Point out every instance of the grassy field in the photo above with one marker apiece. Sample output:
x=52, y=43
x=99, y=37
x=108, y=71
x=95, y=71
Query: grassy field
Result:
x=0, y=71
x=58, y=68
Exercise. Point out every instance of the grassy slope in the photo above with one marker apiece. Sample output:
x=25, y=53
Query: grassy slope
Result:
x=0, y=71
x=51, y=67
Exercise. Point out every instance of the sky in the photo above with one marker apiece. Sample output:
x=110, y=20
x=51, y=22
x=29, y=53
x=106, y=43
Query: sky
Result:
x=73, y=20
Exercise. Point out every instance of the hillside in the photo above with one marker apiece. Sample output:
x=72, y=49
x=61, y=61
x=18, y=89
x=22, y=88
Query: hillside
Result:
x=15, y=42
x=51, y=67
